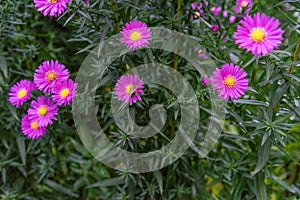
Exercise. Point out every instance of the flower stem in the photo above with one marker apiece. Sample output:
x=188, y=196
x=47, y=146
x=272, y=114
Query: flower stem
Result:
x=179, y=14
x=116, y=18
x=295, y=57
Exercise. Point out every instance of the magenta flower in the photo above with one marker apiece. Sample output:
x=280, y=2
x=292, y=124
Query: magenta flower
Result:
x=136, y=35
x=232, y=19
x=225, y=13
x=259, y=34
x=215, y=28
x=216, y=11
x=64, y=92
x=51, y=7
x=31, y=128
x=206, y=81
x=49, y=74
x=129, y=88
x=20, y=93
x=231, y=81
x=43, y=111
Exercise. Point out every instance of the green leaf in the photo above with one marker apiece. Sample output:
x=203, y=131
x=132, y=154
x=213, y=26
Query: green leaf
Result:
x=263, y=156
x=159, y=179
x=22, y=148
x=59, y=188
x=252, y=102
x=3, y=66
x=108, y=182
x=283, y=184
x=260, y=187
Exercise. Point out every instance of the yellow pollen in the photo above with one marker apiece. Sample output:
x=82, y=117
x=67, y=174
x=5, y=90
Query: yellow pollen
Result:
x=51, y=76
x=43, y=111
x=22, y=93
x=34, y=125
x=135, y=36
x=53, y=1
x=64, y=93
x=258, y=35
x=244, y=4
x=230, y=81
x=131, y=89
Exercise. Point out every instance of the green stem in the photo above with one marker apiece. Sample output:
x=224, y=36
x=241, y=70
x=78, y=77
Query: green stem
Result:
x=116, y=18
x=179, y=14
x=290, y=71
x=295, y=57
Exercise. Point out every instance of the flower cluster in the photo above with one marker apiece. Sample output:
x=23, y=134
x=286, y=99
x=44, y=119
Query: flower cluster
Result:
x=198, y=10
x=53, y=79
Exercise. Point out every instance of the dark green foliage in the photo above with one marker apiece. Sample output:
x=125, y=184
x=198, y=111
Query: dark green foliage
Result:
x=257, y=156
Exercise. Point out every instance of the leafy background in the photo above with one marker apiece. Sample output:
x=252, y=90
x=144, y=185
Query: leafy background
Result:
x=257, y=156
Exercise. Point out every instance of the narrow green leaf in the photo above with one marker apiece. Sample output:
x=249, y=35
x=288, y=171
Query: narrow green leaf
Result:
x=108, y=182
x=263, y=156
x=159, y=179
x=260, y=187
x=22, y=148
x=283, y=184
x=252, y=102
x=59, y=188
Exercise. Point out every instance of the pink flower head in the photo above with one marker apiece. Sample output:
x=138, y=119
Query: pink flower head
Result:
x=49, y=74
x=243, y=4
x=215, y=28
x=259, y=34
x=20, y=93
x=225, y=13
x=206, y=81
x=51, y=7
x=43, y=111
x=129, y=88
x=136, y=35
x=31, y=128
x=232, y=19
x=231, y=81
x=64, y=92
x=216, y=11
x=194, y=6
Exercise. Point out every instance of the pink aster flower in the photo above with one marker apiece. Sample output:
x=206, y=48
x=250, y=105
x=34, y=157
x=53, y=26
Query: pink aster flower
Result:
x=136, y=35
x=64, y=92
x=51, y=7
x=259, y=34
x=241, y=4
x=129, y=88
x=43, y=111
x=49, y=74
x=232, y=19
x=231, y=81
x=206, y=81
x=215, y=28
x=31, y=128
x=216, y=11
x=20, y=93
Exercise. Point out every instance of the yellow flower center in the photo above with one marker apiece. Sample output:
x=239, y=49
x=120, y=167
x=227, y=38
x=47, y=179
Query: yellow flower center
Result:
x=43, y=111
x=51, y=76
x=244, y=4
x=131, y=89
x=230, y=81
x=64, y=93
x=258, y=35
x=34, y=125
x=135, y=36
x=22, y=93
x=53, y=1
